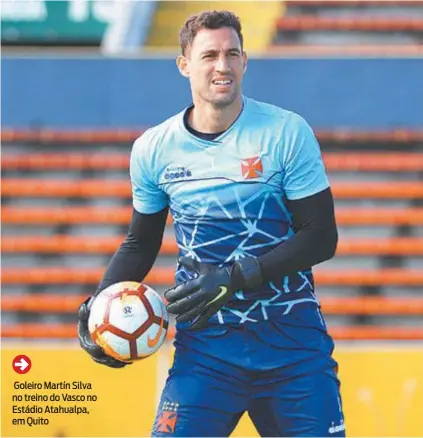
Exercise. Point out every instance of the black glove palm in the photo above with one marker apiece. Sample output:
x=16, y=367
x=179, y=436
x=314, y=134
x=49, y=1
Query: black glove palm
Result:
x=87, y=344
x=198, y=299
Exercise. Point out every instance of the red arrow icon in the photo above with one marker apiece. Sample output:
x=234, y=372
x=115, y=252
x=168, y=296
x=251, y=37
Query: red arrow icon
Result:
x=21, y=364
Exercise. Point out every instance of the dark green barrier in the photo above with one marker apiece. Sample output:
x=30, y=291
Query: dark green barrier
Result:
x=81, y=22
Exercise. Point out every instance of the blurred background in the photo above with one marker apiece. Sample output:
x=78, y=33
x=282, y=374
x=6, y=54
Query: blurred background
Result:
x=82, y=79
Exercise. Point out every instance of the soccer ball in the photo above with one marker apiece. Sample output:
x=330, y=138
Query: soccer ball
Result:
x=128, y=320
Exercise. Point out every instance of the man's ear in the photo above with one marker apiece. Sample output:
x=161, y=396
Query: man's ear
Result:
x=245, y=59
x=182, y=64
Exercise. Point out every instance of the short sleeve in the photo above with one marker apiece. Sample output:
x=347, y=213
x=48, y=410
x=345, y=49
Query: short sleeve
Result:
x=304, y=172
x=147, y=197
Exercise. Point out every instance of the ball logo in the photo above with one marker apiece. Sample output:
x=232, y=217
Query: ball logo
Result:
x=152, y=342
x=127, y=310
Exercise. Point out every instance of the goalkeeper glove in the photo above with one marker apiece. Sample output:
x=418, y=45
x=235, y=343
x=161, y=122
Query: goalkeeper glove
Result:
x=87, y=344
x=198, y=299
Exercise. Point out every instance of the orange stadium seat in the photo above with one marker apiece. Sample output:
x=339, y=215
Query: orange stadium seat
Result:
x=342, y=137
x=127, y=136
x=350, y=28
x=335, y=161
x=66, y=136
x=24, y=187
x=122, y=215
x=344, y=50
x=330, y=305
x=166, y=276
x=70, y=161
x=335, y=3
x=367, y=332
x=65, y=244
x=374, y=161
x=310, y=22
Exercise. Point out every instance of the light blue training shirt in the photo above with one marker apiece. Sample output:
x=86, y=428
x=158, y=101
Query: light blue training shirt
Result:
x=228, y=197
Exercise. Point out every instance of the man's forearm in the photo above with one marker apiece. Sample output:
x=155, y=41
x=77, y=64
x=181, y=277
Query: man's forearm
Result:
x=129, y=263
x=137, y=254
x=302, y=251
x=315, y=241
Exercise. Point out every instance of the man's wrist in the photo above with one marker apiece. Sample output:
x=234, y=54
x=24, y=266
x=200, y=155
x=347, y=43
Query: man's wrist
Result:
x=247, y=273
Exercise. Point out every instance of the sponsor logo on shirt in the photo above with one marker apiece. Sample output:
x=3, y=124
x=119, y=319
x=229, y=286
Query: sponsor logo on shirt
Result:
x=173, y=173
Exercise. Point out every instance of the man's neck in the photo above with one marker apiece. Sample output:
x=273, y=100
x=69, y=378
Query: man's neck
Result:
x=207, y=119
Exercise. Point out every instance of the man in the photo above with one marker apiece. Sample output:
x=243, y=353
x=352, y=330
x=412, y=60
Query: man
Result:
x=252, y=211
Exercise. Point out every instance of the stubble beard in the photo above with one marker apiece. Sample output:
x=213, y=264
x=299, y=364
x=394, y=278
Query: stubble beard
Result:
x=224, y=100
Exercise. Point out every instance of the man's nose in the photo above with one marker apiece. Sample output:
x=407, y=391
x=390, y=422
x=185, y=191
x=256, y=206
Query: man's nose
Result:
x=222, y=64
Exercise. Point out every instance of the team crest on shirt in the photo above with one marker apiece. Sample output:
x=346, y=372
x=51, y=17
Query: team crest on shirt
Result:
x=166, y=421
x=251, y=168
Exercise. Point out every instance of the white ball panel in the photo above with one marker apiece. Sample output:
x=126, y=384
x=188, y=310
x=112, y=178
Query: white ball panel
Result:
x=142, y=348
x=157, y=303
x=97, y=312
x=118, y=344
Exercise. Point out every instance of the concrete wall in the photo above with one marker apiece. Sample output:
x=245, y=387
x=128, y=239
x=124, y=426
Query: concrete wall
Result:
x=359, y=94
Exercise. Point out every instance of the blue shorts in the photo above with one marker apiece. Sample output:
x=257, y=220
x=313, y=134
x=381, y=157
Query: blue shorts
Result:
x=281, y=372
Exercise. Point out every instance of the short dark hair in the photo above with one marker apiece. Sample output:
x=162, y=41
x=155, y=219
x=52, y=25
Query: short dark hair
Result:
x=208, y=20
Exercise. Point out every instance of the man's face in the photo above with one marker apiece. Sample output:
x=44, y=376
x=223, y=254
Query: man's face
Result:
x=215, y=65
